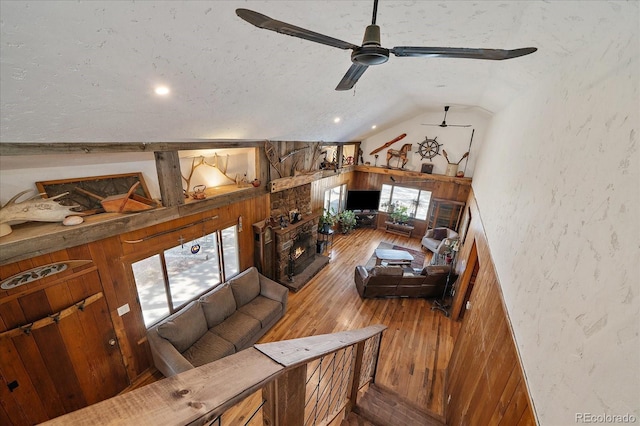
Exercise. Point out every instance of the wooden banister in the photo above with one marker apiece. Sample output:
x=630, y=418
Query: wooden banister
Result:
x=202, y=394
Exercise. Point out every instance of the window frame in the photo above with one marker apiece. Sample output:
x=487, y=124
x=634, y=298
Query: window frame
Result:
x=413, y=206
x=342, y=197
x=160, y=252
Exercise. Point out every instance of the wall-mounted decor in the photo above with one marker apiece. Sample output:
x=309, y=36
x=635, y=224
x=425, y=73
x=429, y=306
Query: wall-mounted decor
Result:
x=429, y=148
x=35, y=274
x=34, y=209
x=103, y=186
x=400, y=154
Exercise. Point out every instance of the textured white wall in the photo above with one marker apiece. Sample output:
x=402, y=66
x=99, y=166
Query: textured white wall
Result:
x=557, y=185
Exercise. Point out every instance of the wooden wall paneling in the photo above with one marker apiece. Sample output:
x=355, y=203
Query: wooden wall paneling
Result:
x=105, y=375
x=22, y=405
x=119, y=290
x=485, y=380
x=47, y=390
x=57, y=359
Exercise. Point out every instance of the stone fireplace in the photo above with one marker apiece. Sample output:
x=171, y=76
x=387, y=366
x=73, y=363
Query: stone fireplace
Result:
x=296, y=260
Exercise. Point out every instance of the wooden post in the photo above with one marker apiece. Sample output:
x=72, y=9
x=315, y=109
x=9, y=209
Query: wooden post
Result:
x=262, y=166
x=339, y=155
x=357, y=371
x=284, y=398
x=169, y=177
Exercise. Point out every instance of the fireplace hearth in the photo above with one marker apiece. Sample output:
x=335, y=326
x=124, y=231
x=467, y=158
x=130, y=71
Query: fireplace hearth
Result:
x=301, y=254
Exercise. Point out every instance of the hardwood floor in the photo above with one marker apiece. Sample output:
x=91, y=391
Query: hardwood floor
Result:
x=417, y=343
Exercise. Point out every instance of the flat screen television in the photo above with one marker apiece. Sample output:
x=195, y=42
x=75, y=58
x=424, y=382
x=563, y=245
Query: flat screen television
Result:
x=363, y=200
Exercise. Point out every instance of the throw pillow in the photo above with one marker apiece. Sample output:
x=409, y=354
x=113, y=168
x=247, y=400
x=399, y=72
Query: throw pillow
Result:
x=439, y=233
x=185, y=327
x=218, y=305
x=392, y=271
x=435, y=269
x=245, y=286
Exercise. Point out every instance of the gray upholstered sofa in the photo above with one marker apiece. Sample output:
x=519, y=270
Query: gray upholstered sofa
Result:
x=229, y=318
x=396, y=281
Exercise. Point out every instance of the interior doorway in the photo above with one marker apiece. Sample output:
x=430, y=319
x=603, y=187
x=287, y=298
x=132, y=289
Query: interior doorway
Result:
x=465, y=284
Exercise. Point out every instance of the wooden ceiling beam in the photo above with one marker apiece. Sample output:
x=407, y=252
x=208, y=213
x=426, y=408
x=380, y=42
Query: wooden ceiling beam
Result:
x=38, y=148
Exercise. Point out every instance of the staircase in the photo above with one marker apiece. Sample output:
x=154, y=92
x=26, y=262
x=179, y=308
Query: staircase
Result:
x=377, y=407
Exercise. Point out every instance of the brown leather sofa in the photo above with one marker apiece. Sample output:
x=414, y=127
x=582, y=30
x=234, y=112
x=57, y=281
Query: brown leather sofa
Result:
x=396, y=281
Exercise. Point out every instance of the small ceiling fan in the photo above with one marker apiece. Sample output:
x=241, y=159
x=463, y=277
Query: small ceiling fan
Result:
x=371, y=52
x=444, y=121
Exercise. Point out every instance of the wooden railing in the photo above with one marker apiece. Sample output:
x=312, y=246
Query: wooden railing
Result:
x=306, y=381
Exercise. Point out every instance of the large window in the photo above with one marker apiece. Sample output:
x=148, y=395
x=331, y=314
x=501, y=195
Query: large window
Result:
x=169, y=280
x=335, y=198
x=415, y=200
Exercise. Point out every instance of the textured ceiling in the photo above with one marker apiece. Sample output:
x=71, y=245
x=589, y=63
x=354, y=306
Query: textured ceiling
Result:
x=77, y=71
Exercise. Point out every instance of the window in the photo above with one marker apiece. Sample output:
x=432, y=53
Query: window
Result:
x=416, y=200
x=169, y=280
x=335, y=198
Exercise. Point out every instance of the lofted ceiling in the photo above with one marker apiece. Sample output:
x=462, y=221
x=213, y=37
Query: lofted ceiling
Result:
x=85, y=71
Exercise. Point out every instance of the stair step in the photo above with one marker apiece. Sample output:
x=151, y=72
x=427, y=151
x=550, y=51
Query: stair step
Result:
x=387, y=409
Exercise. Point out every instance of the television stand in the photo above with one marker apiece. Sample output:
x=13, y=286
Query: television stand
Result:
x=366, y=218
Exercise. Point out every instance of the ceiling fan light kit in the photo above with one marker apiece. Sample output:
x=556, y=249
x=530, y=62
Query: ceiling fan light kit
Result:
x=371, y=52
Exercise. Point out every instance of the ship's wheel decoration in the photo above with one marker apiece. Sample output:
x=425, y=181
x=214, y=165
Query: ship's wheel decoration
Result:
x=429, y=148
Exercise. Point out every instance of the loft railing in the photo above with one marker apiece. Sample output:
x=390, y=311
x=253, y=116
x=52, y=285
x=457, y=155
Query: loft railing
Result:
x=307, y=382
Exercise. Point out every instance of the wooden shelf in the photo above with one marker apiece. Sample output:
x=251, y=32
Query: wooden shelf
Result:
x=414, y=175
x=35, y=238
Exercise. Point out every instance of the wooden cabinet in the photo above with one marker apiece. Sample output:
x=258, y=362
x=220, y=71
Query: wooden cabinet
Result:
x=366, y=219
x=444, y=214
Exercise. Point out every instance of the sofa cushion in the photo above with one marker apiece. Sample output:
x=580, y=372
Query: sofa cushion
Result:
x=439, y=233
x=263, y=309
x=185, y=327
x=218, y=305
x=245, y=286
x=238, y=329
x=208, y=348
x=435, y=269
x=393, y=271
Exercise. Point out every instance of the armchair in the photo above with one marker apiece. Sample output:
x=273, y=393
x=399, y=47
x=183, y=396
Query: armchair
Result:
x=434, y=239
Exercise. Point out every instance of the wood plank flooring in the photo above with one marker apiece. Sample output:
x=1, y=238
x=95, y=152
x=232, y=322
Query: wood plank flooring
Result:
x=417, y=343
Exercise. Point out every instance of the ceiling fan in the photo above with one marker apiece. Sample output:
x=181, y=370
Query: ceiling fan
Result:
x=371, y=53
x=444, y=121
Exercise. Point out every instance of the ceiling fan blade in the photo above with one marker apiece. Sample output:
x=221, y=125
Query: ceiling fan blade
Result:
x=460, y=52
x=263, y=21
x=349, y=80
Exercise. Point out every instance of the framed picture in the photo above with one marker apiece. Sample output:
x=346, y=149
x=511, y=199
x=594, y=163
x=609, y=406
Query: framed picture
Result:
x=99, y=186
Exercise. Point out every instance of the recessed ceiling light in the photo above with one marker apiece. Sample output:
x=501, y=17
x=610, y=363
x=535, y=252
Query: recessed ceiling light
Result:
x=374, y=126
x=162, y=90
x=336, y=120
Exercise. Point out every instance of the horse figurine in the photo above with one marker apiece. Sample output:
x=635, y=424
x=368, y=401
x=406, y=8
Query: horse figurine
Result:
x=400, y=153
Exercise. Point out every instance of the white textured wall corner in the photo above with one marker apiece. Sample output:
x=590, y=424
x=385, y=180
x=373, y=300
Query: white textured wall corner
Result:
x=557, y=186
